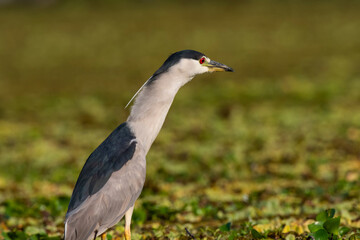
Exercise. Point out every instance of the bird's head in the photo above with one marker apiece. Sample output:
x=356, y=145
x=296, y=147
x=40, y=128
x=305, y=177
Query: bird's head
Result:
x=179, y=68
x=191, y=63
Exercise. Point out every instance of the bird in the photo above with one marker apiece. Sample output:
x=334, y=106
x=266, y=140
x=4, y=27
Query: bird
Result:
x=113, y=176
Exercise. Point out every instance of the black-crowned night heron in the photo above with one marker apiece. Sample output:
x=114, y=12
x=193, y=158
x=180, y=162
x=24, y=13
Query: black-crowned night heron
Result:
x=114, y=174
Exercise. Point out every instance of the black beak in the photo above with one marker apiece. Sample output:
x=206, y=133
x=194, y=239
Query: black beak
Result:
x=218, y=67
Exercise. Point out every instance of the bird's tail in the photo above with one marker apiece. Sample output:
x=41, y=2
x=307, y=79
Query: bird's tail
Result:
x=70, y=232
x=80, y=233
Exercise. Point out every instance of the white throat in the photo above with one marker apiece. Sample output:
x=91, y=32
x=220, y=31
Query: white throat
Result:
x=152, y=105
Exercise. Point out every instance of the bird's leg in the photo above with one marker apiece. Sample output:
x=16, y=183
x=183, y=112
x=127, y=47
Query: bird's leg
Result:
x=128, y=215
x=103, y=236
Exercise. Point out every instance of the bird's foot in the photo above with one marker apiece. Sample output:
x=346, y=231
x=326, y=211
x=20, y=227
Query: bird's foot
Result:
x=103, y=236
x=127, y=234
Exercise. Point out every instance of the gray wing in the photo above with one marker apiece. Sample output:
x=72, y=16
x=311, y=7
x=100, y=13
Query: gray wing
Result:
x=108, y=157
x=109, y=183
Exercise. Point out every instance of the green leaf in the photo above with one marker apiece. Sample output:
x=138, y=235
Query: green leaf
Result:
x=31, y=230
x=321, y=217
x=226, y=227
x=332, y=225
x=330, y=213
x=18, y=235
x=290, y=237
x=354, y=237
x=34, y=237
x=6, y=237
x=343, y=230
x=233, y=235
x=325, y=215
x=139, y=215
x=321, y=235
x=315, y=226
x=256, y=234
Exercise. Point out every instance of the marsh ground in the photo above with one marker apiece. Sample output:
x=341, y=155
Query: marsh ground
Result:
x=266, y=147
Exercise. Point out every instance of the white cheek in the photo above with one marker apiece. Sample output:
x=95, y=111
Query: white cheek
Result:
x=196, y=68
x=201, y=69
x=190, y=67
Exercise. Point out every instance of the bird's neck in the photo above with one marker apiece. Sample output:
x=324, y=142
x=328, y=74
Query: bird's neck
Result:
x=152, y=105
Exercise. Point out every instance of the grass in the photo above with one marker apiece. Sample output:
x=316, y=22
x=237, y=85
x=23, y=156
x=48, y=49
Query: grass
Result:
x=262, y=150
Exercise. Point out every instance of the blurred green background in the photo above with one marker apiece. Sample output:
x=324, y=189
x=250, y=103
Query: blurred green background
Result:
x=265, y=147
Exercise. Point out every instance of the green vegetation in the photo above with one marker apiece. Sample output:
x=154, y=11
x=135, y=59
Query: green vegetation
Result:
x=259, y=153
x=328, y=227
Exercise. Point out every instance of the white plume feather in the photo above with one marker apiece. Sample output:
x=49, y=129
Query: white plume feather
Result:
x=138, y=92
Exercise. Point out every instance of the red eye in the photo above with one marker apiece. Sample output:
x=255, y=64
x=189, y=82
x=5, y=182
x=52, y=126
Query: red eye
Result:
x=202, y=60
